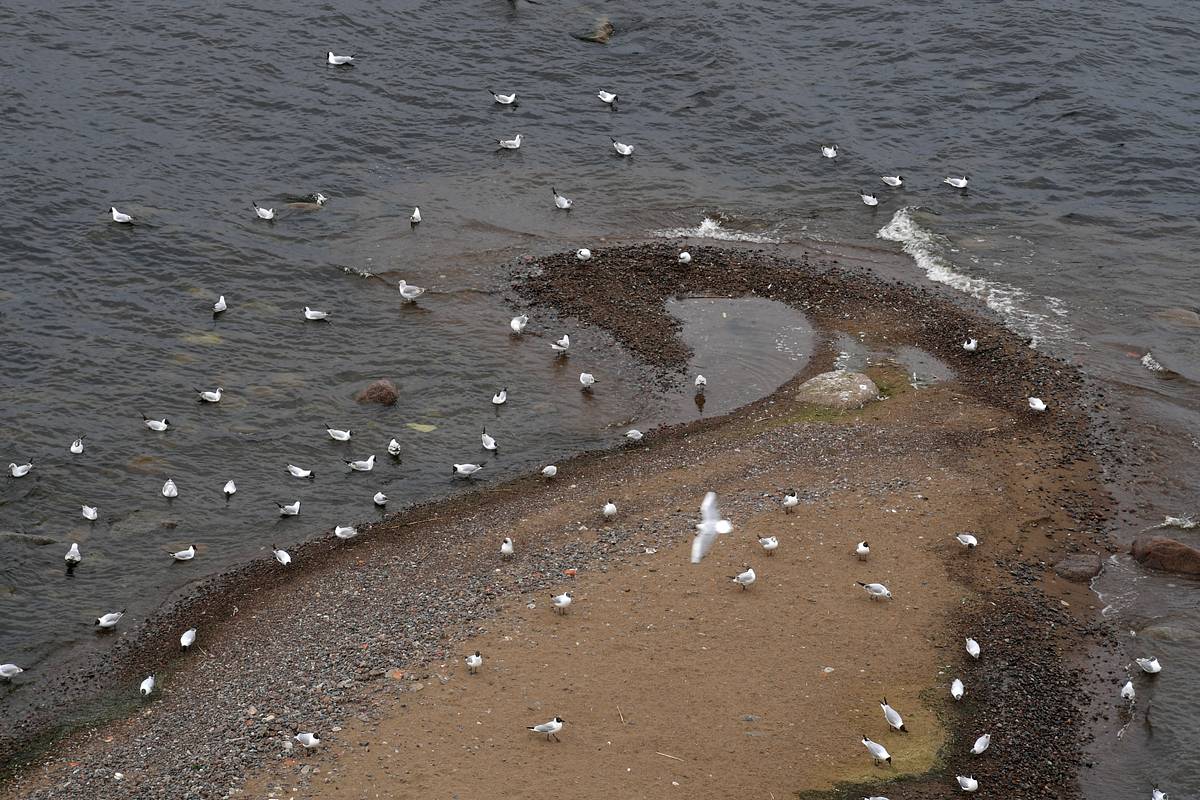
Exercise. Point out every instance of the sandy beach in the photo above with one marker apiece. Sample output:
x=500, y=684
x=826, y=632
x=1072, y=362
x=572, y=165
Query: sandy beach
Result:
x=670, y=677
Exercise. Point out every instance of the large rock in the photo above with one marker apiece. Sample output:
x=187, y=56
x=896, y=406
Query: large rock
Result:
x=841, y=389
x=383, y=392
x=1168, y=555
x=1080, y=567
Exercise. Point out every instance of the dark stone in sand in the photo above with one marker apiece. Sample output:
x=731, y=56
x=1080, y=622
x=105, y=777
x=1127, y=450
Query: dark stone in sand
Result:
x=1080, y=567
x=839, y=389
x=382, y=391
x=1168, y=555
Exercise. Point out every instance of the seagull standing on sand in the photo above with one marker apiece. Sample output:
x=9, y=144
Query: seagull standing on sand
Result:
x=562, y=345
x=608, y=98
x=345, y=531
x=957, y=183
x=290, y=510
x=500, y=397
x=207, y=396
x=309, y=740
x=466, y=470
x=9, y=671
x=972, y=648
x=338, y=435
x=708, y=528
x=634, y=435
x=583, y=254
x=488, y=441
x=829, y=150
x=169, y=489
x=73, y=555
x=549, y=471
x=90, y=513
x=362, y=465
x=229, y=489
x=769, y=544
x=109, y=620
x=967, y=784
x=957, y=690
x=188, y=638
x=504, y=99
x=506, y=548
x=893, y=717
x=282, y=556
x=312, y=315
x=1149, y=665
x=967, y=540
x=220, y=306
x=862, y=550
x=517, y=324
x=185, y=555
x=561, y=202
x=790, y=501
x=868, y=199
x=19, y=470
x=622, y=148
x=118, y=216
x=147, y=686
x=744, y=578
x=415, y=217
x=894, y=181
x=550, y=728
x=1037, y=404
x=609, y=510
x=510, y=144
x=338, y=61
x=685, y=257
x=981, y=744
x=474, y=662
x=561, y=602
x=77, y=446
x=971, y=345
x=156, y=425
x=878, y=752
x=409, y=292
x=263, y=213
x=876, y=591
x=299, y=472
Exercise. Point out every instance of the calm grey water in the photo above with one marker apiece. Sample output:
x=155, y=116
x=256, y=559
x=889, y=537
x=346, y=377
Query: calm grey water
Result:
x=1075, y=121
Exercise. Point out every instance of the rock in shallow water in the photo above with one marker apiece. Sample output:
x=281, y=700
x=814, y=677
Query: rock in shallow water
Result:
x=1080, y=567
x=1168, y=555
x=840, y=389
x=383, y=392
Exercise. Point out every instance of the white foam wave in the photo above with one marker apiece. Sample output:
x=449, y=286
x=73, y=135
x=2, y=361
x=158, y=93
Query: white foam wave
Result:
x=710, y=228
x=1151, y=363
x=926, y=248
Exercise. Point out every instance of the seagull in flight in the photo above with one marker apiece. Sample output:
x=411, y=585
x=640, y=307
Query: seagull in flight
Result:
x=550, y=728
x=120, y=217
x=710, y=526
x=562, y=202
x=504, y=99
x=338, y=61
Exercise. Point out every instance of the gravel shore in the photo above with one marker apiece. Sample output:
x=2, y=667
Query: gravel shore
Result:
x=328, y=644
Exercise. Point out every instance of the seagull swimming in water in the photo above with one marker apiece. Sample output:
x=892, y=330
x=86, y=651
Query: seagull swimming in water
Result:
x=700, y=383
x=109, y=620
x=90, y=513
x=147, y=686
x=504, y=99
x=380, y=499
x=587, y=380
x=77, y=446
x=868, y=199
x=621, y=148
x=220, y=306
x=157, y=425
x=877, y=751
x=549, y=471
x=562, y=345
x=290, y=510
x=312, y=315
x=309, y=740
x=634, y=435
x=1037, y=404
x=893, y=717
x=188, y=638
x=474, y=662
x=967, y=784
x=338, y=61
x=1157, y=794
x=958, y=183
x=299, y=472
x=972, y=648
x=506, y=548
x=362, y=465
x=967, y=540
x=790, y=501
x=393, y=448
x=466, y=470
x=282, y=556
x=118, y=216
x=1149, y=665
x=550, y=728
x=185, y=555
x=73, y=555
x=19, y=470
x=415, y=217
x=876, y=591
x=829, y=150
x=1127, y=692
x=345, y=531
x=500, y=397
x=9, y=671
x=263, y=213
x=607, y=98
x=487, y=440
x=970, y=345
x=709, y=527
x=957, y=690
x=338, y=435
x=609, y=510
x=510, y=144
x=410, y=292
x=862, y=550
x=583, y=254
x=561, y=602
x=744, y=578
x=210, y=396
x=892, y=180
x=981, y=744
x=229, y=489
x=561, y=202
x=769, y=544
x=517, y=324
x=169, y=489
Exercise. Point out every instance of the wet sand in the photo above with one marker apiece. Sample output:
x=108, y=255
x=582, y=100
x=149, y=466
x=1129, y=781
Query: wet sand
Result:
x=364, y=641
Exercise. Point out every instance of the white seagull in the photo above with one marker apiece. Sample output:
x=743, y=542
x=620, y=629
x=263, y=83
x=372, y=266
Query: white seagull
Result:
x=380, y=499
x=562, y=202
x=290, y=510
x=73, y=555
x=362, y=465
x=1127, y=692
x=77, y=446
x=621, y=148
x=893, y=716
x=685, y=257
x=506, y=548
x=394, y=448
x=587, y=380
x=487, y=440
x=19, y=470
x=517, y=324
x=188, y=638
x=299, y=472
x=338, y=61
x=510, y=144
x=967, y=540
x=157, y=425
x=769, y=543
x=9, y=671
x=892, y=180
x=282, y=556
x=415, y=217
x=561, y=602
x=1149, y=665
x=185, y=555
x=958, y=183
x=504, y=99
x=410, y=292
x=312, y=315
x=709, y=527
x=263, y=213
x=500, y=397
x=957, y=690
x=972, y=648
x=1157, y=794
x=110, y=619
x=876, y=591
x=562, y=345
x=1037, y=404
x=474, y=662
x=967, y=784
x=120, y=216
x=549, y=471
x=338, y=435
x=345, y=531
x=829, y=150
x=634, y=435
x=877, y=751
x=700, y=382
x=744, y=579
x=210, y=396
x=607, y=97
x=583, y=254
x=229, y=489
x=970, y=345
x=220, y=306
x=868, y=199
x=981, y=744
x=862, y=550
x=609, y=510
x=550, y=728
x=147, y=686
x=90, y=513
x=307, y=739
x=790, y=501
x=169, y=489
x=466, y=470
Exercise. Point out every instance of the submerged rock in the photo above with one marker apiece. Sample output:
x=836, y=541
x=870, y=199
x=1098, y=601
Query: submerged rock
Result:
x=841, y=389
x=383, y=392
x=1168, y=555
x=1080, y=567
x=601, y=31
